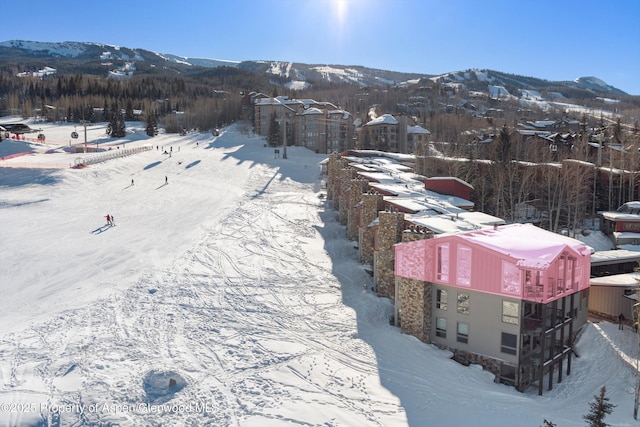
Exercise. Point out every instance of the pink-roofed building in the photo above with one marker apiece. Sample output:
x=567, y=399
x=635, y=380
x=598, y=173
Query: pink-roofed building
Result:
x=511, y=298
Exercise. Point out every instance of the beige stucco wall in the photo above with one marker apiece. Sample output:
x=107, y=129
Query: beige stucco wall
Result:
x=484, y=320
x=609, y=302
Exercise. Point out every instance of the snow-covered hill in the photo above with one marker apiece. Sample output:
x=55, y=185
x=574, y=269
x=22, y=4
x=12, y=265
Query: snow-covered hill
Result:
x=479, y=79
x=225, y=295
x=295, y=75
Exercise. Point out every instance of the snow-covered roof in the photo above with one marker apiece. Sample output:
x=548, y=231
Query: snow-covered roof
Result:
x=402, y=190
x=542, y=123
x=383, y=119
x=624, y=280
x=425, y=206
x=614, y=256
x=533, y=247
x=632, y=207
x=312, y=110
x=279, y=100
x=416, y=129
x=345, y=114
x=363, y=167
x=621, y=236
x=532, y=132
x=374, y=175
x=443, y=225
x=630, y=211
x=453, y=223
x=378, y=156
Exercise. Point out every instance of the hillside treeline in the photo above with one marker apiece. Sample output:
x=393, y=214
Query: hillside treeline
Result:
x=204, y=100
x=523, y=180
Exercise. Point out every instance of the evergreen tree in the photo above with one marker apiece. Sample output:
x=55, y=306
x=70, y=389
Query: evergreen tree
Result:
x=116, y=126
x=152, y=125
x=274, y=132
x=121, y=126
x=503, y=146
x=599, y=409
x=105, y=112
x=129, y=111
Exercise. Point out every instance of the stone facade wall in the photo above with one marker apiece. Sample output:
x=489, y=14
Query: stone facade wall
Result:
x=346, y=175
x=411, y=307
x=414, y=299
x=389, y=233
x=334, y=167
x=358, y=188
x=371, y=205
x=467, y=358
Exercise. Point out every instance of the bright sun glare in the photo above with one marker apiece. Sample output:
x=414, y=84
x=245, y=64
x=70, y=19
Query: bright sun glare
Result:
x=340, y=11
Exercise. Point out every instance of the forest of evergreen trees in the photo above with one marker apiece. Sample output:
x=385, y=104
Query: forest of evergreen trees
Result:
x=208, y=99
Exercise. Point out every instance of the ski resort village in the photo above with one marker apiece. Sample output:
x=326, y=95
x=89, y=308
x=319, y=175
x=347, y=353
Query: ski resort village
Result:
x=353, y=247
x=242, y=282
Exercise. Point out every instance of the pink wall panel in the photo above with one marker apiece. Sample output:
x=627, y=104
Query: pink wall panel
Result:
x=456, y=262
x=411, y=259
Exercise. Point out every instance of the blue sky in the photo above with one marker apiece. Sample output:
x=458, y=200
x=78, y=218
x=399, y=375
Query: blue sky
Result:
x=549, y=39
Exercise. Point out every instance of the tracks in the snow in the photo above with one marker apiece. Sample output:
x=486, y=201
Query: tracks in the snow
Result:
x=232, y=314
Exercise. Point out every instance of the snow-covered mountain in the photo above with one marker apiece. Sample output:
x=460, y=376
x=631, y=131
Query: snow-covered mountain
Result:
x=479, y=79
x=292, y=74
x=595, y=84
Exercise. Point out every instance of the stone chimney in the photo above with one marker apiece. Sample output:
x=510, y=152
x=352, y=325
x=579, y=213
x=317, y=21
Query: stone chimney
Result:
x=358, y=188
x=413, y=305
x=389, y=233
x=346, y=175
x=334, y=168
x=371, y=205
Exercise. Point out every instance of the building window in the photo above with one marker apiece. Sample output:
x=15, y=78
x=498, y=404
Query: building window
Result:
x=509, y=343
x=463, y=332
x=441, y=327
x=441, y=299
x=510, y=312
x=463, y=270
x=442, y=260
x=463, y=303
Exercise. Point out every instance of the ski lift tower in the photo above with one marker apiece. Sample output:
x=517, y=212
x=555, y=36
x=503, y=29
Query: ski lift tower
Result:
x=84, y=123
x=283, y=125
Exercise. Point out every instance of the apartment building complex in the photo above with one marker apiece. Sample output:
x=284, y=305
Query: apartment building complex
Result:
x=510, y=298
x=324, y=128
x=319, y=126
x=393, y=134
